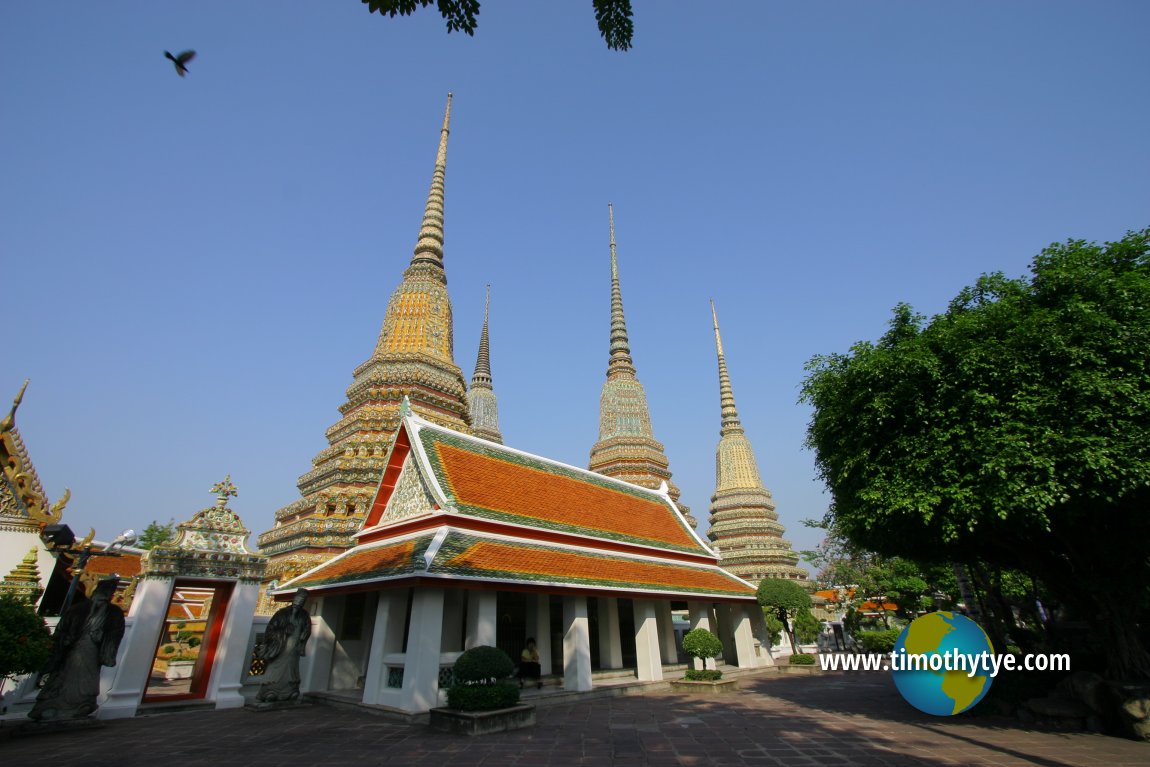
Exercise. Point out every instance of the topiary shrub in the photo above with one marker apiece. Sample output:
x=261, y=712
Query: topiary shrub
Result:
x=479, y=681
x=703, y=675
x=25, y=643
x=482, y=697
x=702, y=644
x=803, y=659
x=483, y=665
x=879, y=641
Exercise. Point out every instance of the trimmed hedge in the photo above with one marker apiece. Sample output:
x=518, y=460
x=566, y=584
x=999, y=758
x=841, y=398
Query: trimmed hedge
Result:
x=482, y=697
x=802, y=659
x=482, y=665
x=703, y=675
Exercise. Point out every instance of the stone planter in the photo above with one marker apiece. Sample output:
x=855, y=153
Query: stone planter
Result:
x=482, y=722
x=718, y=687
x=179, y=669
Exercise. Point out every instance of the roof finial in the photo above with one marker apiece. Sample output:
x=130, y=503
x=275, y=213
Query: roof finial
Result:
x=621, y=363
x=429, y=247
x=731, y=422
x=482, y=377
x=10, y=419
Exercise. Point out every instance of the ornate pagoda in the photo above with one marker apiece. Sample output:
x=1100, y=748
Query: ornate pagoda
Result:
x=627, y=448
x=481, y=395
x=413, y=358
x=744, y=524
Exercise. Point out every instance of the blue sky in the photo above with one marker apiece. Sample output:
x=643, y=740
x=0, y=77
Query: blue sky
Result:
x=193, y=267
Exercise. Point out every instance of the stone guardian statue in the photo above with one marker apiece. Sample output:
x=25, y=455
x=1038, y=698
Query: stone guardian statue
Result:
x=283, y=645
x=86, y=639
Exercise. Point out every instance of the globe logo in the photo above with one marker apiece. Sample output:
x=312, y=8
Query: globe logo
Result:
x=953, y=672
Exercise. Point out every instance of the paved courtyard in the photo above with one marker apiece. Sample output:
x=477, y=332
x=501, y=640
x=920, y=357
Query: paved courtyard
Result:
x=831, y=719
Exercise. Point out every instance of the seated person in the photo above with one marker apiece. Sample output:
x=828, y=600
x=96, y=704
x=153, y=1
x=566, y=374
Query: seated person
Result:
x=529, y=664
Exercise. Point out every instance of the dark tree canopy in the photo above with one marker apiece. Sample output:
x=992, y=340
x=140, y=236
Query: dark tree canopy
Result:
x=783, y=595
x=612, y=16
x=1013, y=428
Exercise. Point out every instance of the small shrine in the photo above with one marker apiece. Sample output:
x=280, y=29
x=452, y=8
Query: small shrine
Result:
x=191, y=616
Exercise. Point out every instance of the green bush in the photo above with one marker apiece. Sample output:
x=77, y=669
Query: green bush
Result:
x=701, y=644
x=802, y=659
x=879, y=641
x=482, y=665
x=482, y=697
x=25, y=643
x=704, y=675
x=194, y=642
x=774, y=626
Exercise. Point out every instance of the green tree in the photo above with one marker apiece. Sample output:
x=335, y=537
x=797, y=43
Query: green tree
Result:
x=702, y=644
x=612, y=16
x=155, y=534
x=1014, y=429
x=785, y=598
x=807, y=627
x=25, y=643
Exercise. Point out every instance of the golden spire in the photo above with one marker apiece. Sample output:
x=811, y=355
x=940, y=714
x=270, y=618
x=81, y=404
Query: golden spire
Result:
x=482, y=376
x=429, y=247
x=10, y=419
x=621, y=364
x=731, y=424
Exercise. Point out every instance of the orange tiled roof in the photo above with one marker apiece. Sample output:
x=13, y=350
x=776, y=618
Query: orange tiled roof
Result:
x=370, y=562
x=127, y=565
x=487, y=480
x=501, y=560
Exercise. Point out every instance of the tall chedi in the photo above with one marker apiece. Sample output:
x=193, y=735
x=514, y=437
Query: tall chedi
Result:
x=481, y=395
x=627, y=448
x=744, y=524
x=412, y=358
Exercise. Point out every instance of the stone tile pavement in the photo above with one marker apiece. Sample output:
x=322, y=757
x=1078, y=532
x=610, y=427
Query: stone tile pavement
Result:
x=807, y=721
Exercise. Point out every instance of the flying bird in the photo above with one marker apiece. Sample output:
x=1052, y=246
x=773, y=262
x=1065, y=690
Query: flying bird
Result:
x=180, y=61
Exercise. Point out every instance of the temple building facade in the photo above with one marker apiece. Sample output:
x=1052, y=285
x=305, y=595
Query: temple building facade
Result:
x=744, y=524
x=468, y=542
x=627, y=448
x=413, y=358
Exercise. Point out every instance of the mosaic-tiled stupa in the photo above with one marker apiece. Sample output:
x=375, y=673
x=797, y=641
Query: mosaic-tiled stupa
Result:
x=627, y=448
x=744, y=523
x=414, y=358
x=481, y=395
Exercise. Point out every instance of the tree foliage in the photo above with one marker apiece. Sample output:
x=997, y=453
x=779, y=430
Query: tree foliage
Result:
x=702, y=644
x=155, y=534
x=25, y=643
x=1014, y=429
x=807, y=627
x=612, y=16
x=785, y=598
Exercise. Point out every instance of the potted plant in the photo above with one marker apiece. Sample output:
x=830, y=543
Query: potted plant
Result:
x=704, y=646
x=482, y=698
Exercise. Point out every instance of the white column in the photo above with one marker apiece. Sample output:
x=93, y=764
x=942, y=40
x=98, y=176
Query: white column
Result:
x=576, y=644
x=700, y=617
x=421, y=669
x=647, y=665
x=744, y=638
x=610, y=643
x=138, y=650
x=482, y=619
x=315, y=665
x=666, y=632
x=725, y=631
x=386, y=638
x=232, y=659
x=543, y=632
